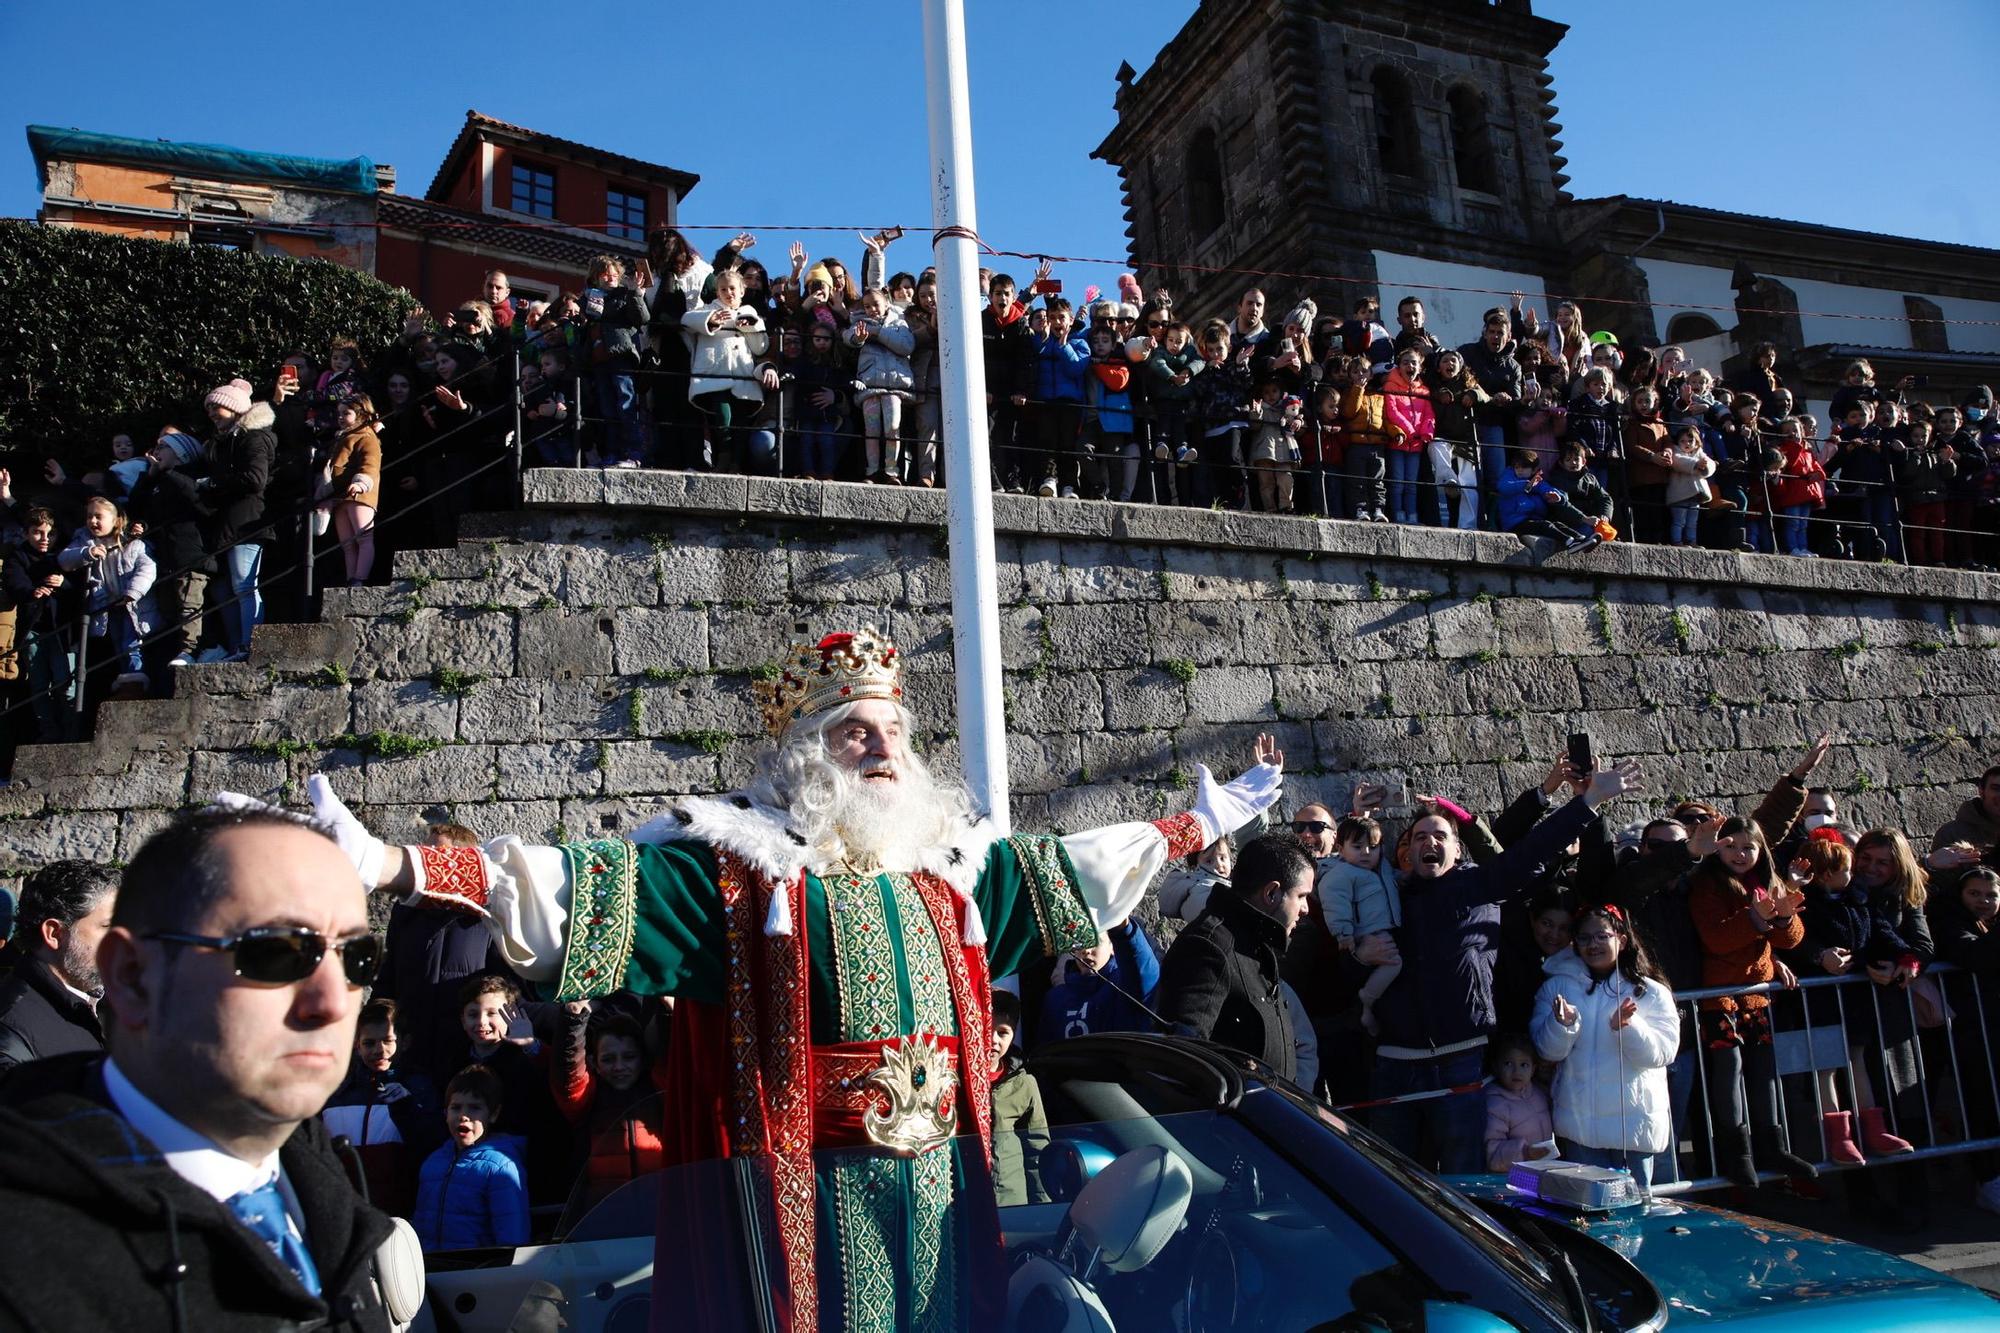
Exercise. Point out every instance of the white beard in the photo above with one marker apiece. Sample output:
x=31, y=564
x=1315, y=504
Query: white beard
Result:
x=844, y=818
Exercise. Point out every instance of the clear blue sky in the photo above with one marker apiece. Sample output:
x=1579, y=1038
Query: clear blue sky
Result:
x=1847, y=112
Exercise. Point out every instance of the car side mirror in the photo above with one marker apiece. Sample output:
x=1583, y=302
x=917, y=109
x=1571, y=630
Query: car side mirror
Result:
x=1451, y=1317
x=1070, y=1164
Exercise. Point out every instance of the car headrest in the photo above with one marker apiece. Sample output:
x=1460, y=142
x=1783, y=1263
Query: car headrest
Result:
x=1131, y=1209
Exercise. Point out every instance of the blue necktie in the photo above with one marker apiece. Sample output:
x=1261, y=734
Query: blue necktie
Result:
x=263, y=1211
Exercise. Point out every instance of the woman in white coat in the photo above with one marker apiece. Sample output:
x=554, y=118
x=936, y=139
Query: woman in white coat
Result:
x=1609, y=1018
x=723, y=381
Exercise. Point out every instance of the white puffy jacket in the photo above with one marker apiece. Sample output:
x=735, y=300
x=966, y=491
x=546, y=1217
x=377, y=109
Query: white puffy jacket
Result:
x=726, y=360
x=1611, y=1091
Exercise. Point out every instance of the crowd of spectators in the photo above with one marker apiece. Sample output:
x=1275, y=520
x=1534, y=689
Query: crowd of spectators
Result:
x=172, y=546
x=1522, y=971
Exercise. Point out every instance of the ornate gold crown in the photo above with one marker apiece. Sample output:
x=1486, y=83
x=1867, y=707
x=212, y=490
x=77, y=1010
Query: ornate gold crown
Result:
x=839, y=669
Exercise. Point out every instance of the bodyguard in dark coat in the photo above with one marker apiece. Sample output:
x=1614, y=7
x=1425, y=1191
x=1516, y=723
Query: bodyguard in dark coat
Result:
x=182, y=1183
x=1221, y=978
x=81, y=1187
x=48, y=1005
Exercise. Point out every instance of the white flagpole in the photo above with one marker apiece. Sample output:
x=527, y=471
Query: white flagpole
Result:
x=975, y=609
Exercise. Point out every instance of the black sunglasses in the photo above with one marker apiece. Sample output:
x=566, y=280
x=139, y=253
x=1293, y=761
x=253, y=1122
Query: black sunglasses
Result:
x=280, y=955
x=1310, y=826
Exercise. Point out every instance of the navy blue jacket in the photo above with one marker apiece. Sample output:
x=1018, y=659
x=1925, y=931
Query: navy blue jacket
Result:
x=427, y=959
x=1086, y=1002
x=470, y=1198
x=1450, y=937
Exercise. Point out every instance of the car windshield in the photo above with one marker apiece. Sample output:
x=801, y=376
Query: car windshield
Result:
x=1259, y=1243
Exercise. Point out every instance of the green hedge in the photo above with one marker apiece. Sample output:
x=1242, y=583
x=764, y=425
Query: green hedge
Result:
x=106, y=332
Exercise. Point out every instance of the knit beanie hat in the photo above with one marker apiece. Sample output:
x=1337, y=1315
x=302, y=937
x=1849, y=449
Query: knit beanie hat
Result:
x=234, y=395
x=185, y=448
x=1303, y=314
x=819, y=273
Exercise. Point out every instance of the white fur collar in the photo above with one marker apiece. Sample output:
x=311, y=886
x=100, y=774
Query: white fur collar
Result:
x=764, y=837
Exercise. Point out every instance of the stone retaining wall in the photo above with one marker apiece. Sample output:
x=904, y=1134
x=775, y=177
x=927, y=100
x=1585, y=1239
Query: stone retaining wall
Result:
x=564, y=668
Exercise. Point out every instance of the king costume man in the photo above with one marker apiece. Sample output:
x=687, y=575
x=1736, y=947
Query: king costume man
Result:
x=829, y=933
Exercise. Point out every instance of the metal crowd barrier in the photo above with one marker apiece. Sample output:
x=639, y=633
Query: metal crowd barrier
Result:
x=1953, y=1035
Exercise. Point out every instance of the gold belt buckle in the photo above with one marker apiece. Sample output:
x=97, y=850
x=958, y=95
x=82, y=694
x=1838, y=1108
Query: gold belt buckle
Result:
x=921, y=1082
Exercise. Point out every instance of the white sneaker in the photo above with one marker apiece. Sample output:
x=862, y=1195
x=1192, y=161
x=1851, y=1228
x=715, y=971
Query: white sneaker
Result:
x=1188, y=454
x=1160, y=453
x=1987, y=1196
x=181, y=661
x=1378, y=517
x=1361, y=514
x=1069, y=492
x=1047, y=490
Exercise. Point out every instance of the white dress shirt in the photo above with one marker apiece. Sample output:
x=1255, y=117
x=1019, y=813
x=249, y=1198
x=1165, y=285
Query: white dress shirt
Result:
x=193, y=1155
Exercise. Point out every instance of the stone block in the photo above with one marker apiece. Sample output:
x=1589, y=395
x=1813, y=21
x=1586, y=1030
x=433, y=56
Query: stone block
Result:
x=745, y=639
x=1023, y=632
x=742, y=566
x=1669, y=683
x=1619, y=732
x=1768, y=727
x=660, y=640
x=531, y=821
x=1384, y=631
x=545, y=769
x=1074, y=809
x=1231, y=694
x=304, y=647
x=1609, y=682
x=563, y=645
x=1042, y=763
x=1095, y=571
x=146, y=724
x=699, y=492
x=1058, y=701
x=562, y=487
x=1146, y=698
x=867, y=569
x=924, y=639
x=411, y=707
x=454, y=773
x=84, y=835
x=1204, y=574
x=1460, y=629
x=612, y=817
x=1040, y=563
x=478, y=643
x=1291, y=633
x=1227, y=747
x=1322, y=579
x=1414, y=686
x=1524, y=627
x=1577, y=628
x=135, y=827
x=1099, y=635
x=717, y=703
x=657, y=767
x=1640, y=625
x=1327, y=690
x=1530, y=685
x=1204, y=633
x=214, y=771
x=451, y=562
x=1368, y=742
x=501, y=710
x=1132, y=756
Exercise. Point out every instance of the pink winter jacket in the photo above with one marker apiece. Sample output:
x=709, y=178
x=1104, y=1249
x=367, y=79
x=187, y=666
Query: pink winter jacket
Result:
x=1513, y=1121
x=1407, y=407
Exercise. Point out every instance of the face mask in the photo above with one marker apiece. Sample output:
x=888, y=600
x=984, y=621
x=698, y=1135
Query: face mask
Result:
x=1975, y=414
x=1817, y=821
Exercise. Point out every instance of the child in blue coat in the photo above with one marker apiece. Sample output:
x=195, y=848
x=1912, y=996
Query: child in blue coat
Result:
x=1530, y=507
x=469, y=1193
x=1105, y=988
x=1061, y=361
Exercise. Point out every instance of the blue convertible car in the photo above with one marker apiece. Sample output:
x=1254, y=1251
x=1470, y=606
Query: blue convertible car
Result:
x=1195, y=1192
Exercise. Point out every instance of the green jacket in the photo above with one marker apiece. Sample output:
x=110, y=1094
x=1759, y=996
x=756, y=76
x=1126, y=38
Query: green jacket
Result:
x=1020, y=1133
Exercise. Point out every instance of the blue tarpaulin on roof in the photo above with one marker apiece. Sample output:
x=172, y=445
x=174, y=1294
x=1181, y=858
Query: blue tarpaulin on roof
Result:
x=353, y=175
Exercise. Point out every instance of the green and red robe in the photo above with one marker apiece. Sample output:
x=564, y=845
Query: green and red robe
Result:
x=790, y=983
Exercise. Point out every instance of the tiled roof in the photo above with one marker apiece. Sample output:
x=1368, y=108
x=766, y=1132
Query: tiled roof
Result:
x=526, y=240
x=682, y=181
x=1783, y=222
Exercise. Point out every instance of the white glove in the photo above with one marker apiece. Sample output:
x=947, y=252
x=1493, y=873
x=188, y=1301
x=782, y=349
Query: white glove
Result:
x=1226, y=808
x=363, y=848
x=236, y=800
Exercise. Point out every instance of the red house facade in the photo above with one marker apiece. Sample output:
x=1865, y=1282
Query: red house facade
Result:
x=507, y=197
x=534, y=205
